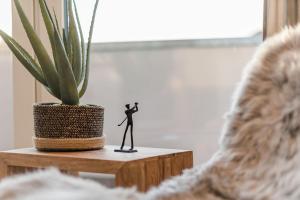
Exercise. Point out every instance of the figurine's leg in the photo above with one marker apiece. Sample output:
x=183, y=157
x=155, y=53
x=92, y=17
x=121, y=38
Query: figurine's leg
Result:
x=124, y=137
x=131, y=134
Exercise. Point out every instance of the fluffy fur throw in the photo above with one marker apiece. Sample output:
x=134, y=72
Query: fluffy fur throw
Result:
x=258, y=156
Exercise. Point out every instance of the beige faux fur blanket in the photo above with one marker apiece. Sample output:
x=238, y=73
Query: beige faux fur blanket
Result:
x=258, y=156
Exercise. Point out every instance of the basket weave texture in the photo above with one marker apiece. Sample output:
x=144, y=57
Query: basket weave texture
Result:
x=67, y=121
x=70, y=144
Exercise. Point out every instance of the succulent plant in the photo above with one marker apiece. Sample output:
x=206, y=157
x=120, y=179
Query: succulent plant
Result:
x=65, y=74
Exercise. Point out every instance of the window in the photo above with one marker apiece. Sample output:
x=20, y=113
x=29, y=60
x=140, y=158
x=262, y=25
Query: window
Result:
x=6, y=133
x=143, y=20
x=181, y=60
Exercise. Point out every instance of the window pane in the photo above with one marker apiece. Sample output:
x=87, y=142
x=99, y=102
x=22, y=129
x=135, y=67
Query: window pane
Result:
x=184, y=85
x=6, y=100
x=143, y=20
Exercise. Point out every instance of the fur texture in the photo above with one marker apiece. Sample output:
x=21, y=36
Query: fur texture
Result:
x=259, y=150
x=52, y=185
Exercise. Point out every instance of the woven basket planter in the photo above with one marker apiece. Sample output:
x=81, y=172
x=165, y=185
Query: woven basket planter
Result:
x=68, y=128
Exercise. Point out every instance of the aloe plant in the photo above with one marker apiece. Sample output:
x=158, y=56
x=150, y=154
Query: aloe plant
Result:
x=64, y=74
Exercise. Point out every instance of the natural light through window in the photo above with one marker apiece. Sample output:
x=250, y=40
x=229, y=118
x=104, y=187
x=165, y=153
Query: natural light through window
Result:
x=5, y=18
x=183, y=87
x=144, y=20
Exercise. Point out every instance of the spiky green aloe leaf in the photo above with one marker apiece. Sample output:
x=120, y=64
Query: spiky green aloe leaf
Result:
x=76, y=61
x=48, y=21
x=67, y=82
x=56, y=22
x=25, y=58
x=86, y=74
x=46, y=63
x=81, y=42
x=67, y=43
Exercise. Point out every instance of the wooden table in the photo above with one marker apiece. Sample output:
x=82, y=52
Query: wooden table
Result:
x=146, y=168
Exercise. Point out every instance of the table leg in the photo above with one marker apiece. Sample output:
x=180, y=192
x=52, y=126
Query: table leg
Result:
x=126, y=177
x=147, y=173
x=15, y=170
x=3, y=170
x=181, y=161
x=141, y=174
x=7, y=170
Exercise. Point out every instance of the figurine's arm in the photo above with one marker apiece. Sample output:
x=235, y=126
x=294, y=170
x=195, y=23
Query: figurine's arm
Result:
x=122, y=122
x=136, y=107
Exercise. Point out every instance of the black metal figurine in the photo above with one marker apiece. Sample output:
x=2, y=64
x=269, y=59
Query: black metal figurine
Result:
x=129, y=112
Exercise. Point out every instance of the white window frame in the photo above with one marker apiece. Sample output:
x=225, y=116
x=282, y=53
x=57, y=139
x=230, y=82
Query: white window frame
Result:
x=279, y=13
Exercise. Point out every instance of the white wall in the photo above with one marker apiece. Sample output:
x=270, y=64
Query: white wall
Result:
x=6, y=101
